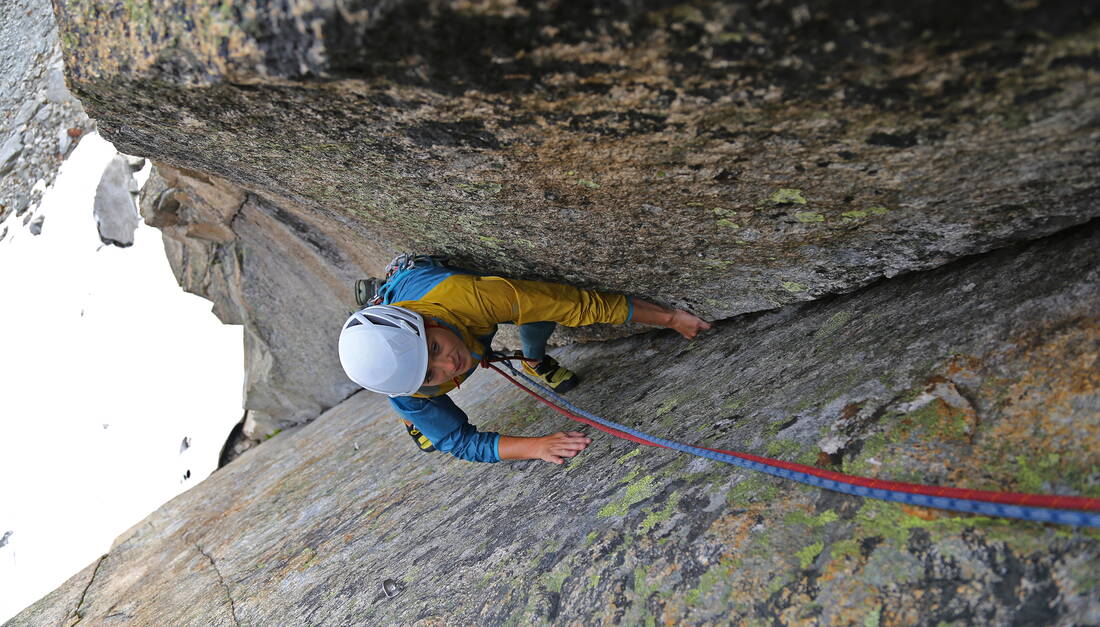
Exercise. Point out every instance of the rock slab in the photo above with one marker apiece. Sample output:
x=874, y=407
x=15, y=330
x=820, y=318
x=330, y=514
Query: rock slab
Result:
x=982, y=374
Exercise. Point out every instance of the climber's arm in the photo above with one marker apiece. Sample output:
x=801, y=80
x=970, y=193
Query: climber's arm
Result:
x=513, y=300
x=684, y=323
x=448, y=427
x=551, y=448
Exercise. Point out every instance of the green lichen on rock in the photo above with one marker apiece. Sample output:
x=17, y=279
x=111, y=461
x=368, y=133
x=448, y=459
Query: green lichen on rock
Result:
x=807, y=554
x=800, y=517
x=783, y=448
x=636, y=492
x=653, y=518
x=631, y=455
x=807, y=217
x=834, y=323
x=786, y=196
x=554, y=580
x=754, y=489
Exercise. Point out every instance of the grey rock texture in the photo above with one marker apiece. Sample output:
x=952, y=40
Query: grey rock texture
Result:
x=722, y=156
x=284, y=274
x=39, y=118
x=726, y=157
x=981, y=374
x=115, y=207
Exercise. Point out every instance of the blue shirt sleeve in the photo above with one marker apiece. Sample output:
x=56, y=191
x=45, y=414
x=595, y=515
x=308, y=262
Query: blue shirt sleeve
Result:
x=448, y=427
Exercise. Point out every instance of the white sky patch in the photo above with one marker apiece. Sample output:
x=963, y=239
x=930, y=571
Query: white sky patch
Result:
x=107, y=364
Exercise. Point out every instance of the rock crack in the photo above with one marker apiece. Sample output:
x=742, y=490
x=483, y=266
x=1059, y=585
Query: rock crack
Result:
x=84, y=593
x=232, y=605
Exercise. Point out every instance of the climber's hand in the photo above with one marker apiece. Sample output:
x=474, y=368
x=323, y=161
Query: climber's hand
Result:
x=684, y=323
x=688, y=324
x=555, y=447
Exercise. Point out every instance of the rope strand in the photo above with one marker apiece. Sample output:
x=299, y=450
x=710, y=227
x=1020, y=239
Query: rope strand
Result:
x=1068, y=510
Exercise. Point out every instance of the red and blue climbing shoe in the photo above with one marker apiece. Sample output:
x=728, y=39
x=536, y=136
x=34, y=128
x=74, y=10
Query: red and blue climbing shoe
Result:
x=551, y=374
x=422, y=441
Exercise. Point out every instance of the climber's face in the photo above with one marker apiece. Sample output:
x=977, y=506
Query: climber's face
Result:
x=448, y=357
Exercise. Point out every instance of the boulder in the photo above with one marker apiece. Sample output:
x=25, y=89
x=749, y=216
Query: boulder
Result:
x=9, y=152
x=115, y=209
x=981, y=374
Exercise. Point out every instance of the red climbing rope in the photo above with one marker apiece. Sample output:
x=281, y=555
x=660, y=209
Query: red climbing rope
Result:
x=1054, y=501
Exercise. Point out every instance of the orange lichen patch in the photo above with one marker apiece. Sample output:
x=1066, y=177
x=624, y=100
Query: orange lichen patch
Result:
x=838, y=568
x=861, y=612
x=850, y=410
x=1052, y=406
x=923, y=513
x=672, y=613
x=1040, y=422
x=962, y=366
x=734, y=531
x=798, y=610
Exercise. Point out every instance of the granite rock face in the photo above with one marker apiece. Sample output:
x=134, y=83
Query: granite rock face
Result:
x=282, y=273
x=981, y=374
x=722, y=156
x=286, y=275
x=719, y=156
x=40, y=121
x=725, y=157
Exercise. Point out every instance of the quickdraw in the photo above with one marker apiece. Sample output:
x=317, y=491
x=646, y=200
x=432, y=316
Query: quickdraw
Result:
x=1078, y=511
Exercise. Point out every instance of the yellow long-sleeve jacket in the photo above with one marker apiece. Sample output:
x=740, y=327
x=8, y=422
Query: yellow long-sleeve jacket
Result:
x=472, y=306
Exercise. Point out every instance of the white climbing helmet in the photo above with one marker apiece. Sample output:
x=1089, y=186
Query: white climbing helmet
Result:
x=384, y=349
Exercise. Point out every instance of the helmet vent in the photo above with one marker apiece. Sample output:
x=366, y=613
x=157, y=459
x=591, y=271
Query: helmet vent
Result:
x=380, y=322
x=352, y=323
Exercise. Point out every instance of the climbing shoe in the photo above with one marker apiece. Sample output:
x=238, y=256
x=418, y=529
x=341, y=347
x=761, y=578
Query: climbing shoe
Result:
x=422, y=441
x=552, y=374
x=366, y=292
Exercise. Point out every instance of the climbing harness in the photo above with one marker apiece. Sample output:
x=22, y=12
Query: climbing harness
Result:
x=1078, y=511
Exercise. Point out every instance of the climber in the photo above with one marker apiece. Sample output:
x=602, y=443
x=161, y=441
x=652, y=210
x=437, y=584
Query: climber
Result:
x=428, y=327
